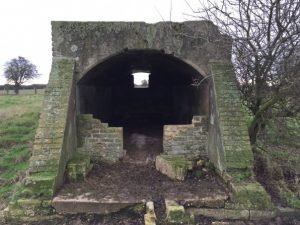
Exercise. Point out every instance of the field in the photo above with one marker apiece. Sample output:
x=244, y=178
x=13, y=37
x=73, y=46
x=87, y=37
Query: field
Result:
x=18, y=120
x=22, y=92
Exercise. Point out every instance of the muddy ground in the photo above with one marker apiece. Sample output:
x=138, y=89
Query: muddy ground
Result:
x=130, y=181
x=143, y=181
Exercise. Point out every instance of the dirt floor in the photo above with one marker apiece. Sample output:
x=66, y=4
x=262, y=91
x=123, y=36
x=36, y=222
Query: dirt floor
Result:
x=135, y=182
x=125, y=180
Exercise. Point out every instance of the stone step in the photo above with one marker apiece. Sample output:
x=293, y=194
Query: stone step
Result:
x=84, y=204
x=213, y=201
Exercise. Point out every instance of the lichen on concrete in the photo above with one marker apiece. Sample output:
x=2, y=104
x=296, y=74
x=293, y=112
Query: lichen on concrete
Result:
x=78, y=168
x=176, y=213
x=174, y=166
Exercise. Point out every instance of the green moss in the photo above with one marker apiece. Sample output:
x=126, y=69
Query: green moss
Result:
x=137, y=208
x=174, y=166
x=78, y=167
x=291, y=199
x=241, y=175
x=199, y=173
x=250, y=196
x=177, y=215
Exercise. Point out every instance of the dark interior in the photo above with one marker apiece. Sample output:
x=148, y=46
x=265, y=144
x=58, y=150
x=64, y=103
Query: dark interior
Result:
x=107, y=91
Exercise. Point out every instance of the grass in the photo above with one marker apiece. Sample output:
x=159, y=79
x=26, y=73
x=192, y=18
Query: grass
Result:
x=281, y=146
x=19, y=118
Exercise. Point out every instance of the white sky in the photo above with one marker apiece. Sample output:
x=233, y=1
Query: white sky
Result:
x=25, y=28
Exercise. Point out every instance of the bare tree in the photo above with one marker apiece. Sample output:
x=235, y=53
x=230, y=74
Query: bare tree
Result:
x=265, y=54
x=18, y=71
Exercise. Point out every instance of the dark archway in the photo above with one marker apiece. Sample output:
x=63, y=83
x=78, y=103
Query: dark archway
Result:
x=108, y=92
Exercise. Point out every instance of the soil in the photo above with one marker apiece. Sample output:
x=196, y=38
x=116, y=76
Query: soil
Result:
x=124, y=181
x=142, y=181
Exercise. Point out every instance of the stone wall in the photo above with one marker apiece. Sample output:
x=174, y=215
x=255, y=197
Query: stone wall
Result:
x=189, y=139
x=96, y=139
x=228, y=131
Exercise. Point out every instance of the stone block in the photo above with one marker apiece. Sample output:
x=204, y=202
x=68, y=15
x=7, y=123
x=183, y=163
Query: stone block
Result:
x=78, y=168
x=229, y=223
x=261, y=214
x=149, y=220
x=174, y=166
x=83, y=204
x=249, y=196
x=215, y=201
x=150, y=217
x=221, y=214
x=177, y=215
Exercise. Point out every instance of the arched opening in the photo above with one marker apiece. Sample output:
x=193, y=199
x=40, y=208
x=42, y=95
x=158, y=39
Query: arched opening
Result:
x=109, y=93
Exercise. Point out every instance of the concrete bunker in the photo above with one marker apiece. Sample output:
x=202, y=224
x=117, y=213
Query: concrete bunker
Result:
x=92, y=109
x=172, y=97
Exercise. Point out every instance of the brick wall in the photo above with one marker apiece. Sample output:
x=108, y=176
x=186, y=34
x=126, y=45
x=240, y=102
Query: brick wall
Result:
x=188, y=139
x=98, y=140
x=228, y=116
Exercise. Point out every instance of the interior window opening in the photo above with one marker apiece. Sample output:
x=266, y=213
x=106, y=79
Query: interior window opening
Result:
x=141, y=79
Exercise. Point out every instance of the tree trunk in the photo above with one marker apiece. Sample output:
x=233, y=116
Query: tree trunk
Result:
x=16, y=88
x=253, y=130
x=258, y=119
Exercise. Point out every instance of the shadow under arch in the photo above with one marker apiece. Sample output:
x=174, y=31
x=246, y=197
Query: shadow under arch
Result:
x=107, y=90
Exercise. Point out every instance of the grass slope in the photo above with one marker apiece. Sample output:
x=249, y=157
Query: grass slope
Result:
x=278, y=159
x=18, y=121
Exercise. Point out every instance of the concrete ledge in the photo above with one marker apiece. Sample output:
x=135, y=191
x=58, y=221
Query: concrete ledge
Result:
x=288, y=212
x=233, y=214
x=216, y=201
x=221, y=214
x=86, y=205
x=258, y=214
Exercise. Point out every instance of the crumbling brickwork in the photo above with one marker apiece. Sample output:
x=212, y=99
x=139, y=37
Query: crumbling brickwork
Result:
x=189, y=140
x=98, y=140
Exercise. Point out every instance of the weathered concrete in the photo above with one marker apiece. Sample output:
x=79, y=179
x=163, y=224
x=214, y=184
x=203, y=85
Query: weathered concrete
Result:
x=234, y=214
x=84, y=204
x=93, y=42
x=216, y=201
x=176, y=213
x=150, y=216
x=91, y=62
x=174, y=166
x=221, y=214
x=78, y=168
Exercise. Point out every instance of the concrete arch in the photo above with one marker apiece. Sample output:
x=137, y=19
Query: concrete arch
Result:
x=94, y=51
x=89, y=68
x=166, y=72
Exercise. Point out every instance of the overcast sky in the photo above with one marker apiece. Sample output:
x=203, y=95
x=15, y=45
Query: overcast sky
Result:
x=26, y=31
